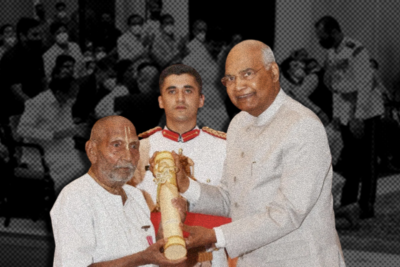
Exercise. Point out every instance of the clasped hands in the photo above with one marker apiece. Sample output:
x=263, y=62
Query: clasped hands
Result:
x=198, y=236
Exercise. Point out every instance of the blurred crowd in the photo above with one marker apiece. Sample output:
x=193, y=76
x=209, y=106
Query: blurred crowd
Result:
x=56, y=85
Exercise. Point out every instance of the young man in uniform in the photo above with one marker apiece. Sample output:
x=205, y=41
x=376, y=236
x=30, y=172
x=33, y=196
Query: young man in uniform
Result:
x=181, y=97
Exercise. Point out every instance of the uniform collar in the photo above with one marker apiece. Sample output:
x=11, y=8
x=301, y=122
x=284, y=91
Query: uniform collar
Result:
x=270, y=112
x=174, y=136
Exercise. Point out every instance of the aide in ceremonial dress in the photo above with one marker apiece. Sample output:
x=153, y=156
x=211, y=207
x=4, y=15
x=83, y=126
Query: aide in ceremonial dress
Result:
x=181, y=97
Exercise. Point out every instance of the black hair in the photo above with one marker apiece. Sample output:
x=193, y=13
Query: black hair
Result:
x=60, y=61
x=146, y=64
x=60, y=4
x=25, y=24
x=374, y=63
x=55, y=26
x=132, y=17
x=121, y=68
x=285, y=67
x=179, y=69
x=4, y=27
x=166, y=17
x=329, y=23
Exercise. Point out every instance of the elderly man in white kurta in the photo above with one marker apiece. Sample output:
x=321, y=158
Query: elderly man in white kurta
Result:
x=97, y=219
x=277, y=177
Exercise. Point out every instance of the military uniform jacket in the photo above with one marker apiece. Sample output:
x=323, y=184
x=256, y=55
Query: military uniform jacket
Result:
x=351, y=78
x=207, y=149
x=276, y=187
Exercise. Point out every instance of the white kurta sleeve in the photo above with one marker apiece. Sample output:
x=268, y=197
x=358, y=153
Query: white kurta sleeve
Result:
x=28, y=128
x=73, y=228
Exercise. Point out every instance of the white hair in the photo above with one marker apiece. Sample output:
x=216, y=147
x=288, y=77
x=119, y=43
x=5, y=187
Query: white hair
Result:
x=268, y=56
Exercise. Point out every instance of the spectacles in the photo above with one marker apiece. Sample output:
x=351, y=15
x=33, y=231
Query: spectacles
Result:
x=248, y=74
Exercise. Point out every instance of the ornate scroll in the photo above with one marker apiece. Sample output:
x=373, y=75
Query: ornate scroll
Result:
x=165, y=173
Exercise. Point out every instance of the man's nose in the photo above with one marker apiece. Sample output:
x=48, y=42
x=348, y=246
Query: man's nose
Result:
x=239, y=84
x=126, y=154
x=180, y=97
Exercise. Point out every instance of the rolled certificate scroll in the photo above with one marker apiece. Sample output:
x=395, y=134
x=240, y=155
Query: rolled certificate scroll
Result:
x=165, y=173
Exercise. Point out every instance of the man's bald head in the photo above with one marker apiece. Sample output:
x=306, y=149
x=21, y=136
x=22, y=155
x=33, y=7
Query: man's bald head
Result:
x=253, y=48
x=100, y=128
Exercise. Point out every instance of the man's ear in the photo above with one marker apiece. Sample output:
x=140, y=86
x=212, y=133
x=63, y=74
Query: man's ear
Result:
x=160, y=102
x=274, y=72
x=201, y=103
x=90, y=148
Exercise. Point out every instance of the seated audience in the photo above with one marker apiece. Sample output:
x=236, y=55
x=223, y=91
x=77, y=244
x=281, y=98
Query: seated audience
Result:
x=130, y=44
x=61, y=45
x=47, y=121
x=165, y=47
x=92, y=89
x=106, y=105
x=300, y=86
x=145, y=102
x=7, y=38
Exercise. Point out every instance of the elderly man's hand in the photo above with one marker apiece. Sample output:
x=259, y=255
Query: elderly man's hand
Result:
x=153, y=255
x=182, y=178
x=199, y=236
x=181, y=204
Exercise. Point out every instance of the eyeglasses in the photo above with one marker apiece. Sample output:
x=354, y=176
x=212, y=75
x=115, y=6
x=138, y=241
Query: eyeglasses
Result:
x=248, y=74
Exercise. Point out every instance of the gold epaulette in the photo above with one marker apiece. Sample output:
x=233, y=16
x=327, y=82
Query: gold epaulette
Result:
x=150, y=132
x=215, y=133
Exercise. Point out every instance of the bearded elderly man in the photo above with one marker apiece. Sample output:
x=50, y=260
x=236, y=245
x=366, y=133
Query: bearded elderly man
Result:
x=277, y=178
x=97, y=219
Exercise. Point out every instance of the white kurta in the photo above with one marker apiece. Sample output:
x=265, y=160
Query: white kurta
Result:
x=276, y=187
x=43, y=116
x=208, y=154
x=91, y=225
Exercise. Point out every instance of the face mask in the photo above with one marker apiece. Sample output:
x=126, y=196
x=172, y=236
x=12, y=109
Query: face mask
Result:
x=327, y=43
x=169, y=29
x=100, y=55
x=62, y=38
x=62, y=14
x=136, y=29
x=10, y=41
x=201, y=36
x=110, y=84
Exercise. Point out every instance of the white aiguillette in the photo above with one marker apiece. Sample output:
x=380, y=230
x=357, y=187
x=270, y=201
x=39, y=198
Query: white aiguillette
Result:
x=165, y=173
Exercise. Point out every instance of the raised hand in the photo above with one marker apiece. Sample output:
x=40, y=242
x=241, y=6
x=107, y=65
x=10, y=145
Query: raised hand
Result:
x=199, y=236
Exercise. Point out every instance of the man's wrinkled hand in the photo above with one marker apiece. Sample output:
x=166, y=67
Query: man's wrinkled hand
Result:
x=181, y=177
x=199, y=236
x=153, y=255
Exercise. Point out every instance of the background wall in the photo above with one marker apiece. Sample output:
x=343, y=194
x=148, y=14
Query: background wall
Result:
x=373, y=22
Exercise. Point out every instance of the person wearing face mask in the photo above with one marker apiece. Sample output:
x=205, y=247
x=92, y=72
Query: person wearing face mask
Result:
x=61, y=45
x=117, y=88
x=151, y=27
x=300, y=86
x=130, y=44
x=22, y=71
x=357, y=106
x=61, y=13
x=47, y=121
x=165, y=47
x=7, y=38
x=146, y=101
